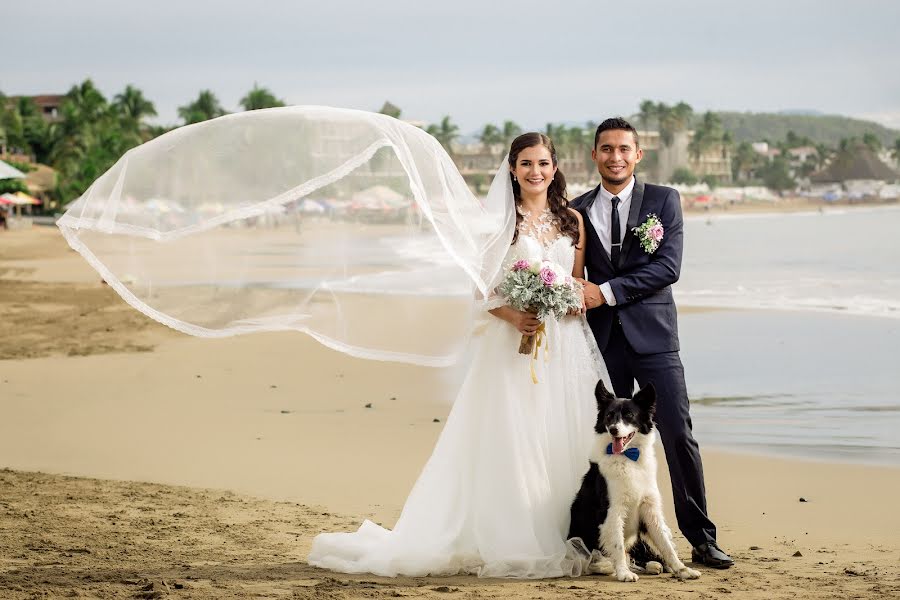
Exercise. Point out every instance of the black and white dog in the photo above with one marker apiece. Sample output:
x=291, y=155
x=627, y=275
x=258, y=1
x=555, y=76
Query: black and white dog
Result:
x=619, y=501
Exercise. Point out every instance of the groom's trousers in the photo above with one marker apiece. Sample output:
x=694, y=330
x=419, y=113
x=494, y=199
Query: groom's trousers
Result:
x=673, y=421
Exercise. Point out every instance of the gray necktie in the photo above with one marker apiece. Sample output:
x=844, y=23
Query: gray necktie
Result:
x=615, y=233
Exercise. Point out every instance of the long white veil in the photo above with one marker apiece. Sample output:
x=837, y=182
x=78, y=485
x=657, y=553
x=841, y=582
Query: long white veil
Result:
x=353, y=227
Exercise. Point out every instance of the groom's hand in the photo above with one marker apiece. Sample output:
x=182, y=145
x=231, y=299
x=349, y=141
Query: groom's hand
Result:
x=592, y=296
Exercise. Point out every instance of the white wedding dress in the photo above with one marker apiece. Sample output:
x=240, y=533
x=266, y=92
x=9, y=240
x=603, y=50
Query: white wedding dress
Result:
x=494, y=497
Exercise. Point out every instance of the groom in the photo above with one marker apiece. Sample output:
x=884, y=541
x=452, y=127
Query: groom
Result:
x=632, y=314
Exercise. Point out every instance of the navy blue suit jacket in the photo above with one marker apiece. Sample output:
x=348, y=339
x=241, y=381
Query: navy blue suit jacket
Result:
x=641, y=282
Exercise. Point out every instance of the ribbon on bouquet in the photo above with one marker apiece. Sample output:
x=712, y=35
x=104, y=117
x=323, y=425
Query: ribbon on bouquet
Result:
x=540, y=338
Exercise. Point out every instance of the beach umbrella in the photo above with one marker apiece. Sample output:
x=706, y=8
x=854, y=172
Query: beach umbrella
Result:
x=22, y=199
x=378, y=195
x=8, y=171
x=311, y=206
x=162, y=205
x=8, y=199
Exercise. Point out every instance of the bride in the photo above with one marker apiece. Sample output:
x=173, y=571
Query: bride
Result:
x=193, y=229
x=494, y=497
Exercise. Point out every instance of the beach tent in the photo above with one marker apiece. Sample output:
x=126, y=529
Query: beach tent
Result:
x=379, y=196
x=10, y=172
x=311, y=206
x=22, y=199
x=19, y=199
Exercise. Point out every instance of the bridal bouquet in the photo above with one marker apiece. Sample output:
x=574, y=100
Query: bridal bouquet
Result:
x=543, y=288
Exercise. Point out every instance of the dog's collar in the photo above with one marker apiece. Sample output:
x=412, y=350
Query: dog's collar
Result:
x=632, y=453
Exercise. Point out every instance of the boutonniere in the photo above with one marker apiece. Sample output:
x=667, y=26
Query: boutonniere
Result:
x=650, y=233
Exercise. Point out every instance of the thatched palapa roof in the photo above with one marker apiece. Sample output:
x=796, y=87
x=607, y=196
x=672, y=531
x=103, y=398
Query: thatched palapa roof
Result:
x=41, y=180
x=858, y=162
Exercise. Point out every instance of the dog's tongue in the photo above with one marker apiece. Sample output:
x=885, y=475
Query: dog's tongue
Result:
x=618, y=445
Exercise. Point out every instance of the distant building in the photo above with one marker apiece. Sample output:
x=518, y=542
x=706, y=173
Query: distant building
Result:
x=800, y=155
x=49, y=105
x=478, y=163
x=760, y=148
x=714, y=162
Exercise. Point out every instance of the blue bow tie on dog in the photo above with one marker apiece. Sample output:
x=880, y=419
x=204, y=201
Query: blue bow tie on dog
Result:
x=632, y=453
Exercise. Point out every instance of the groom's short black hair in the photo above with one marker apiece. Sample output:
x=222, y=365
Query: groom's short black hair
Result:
x=616, y=123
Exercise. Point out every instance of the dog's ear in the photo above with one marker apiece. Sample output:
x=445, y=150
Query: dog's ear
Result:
x=646, y=398
x=603, y=396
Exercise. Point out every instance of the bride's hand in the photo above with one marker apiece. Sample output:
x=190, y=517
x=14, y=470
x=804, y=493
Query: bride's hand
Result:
x=583, y=309
x=526, y=322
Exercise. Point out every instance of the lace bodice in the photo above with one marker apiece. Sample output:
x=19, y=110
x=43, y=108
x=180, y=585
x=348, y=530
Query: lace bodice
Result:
x=542, y=227
x=560, y=251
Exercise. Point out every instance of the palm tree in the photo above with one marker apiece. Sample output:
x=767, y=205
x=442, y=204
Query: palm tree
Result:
x=577, y=137
x=823, y=153
x=205, y=107
x=871, y=140
x=708, y=133
x=132, y=104
x=491, y=135
x=84, y=111
x=672, y=119
x=570, y=141
x=444, y=133
x=744, y=162
x=390, y=110
x=11, y=127
x=3, y=112
x=260, y=97
x=682, y=114
x=646, y=113
x=86, y=103
x=557, y=133
x=511, y=131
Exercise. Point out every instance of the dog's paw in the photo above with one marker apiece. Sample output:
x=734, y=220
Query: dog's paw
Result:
x=600, y=565
x=626, y=575
x=653, y=568
x=687, y=573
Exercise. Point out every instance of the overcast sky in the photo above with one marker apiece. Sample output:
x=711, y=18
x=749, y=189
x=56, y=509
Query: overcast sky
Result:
x=477, y=60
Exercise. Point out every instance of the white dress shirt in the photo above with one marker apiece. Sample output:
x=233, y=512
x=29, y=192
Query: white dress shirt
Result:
x=600, y=215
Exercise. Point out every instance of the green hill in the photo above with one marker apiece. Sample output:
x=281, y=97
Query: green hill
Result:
x=827, y=129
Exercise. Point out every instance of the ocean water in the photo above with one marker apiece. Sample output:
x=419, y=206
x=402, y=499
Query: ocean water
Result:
x=801, y=355
x=812, y=369
x=836, y=260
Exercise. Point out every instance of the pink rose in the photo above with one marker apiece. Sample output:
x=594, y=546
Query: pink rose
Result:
x=656, y=233
x=548, y=277
x=520, y=265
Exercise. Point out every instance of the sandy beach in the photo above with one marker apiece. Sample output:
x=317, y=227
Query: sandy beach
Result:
x=141, y=463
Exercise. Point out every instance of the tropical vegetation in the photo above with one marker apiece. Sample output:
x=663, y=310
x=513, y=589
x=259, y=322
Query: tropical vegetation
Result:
x=92, y=131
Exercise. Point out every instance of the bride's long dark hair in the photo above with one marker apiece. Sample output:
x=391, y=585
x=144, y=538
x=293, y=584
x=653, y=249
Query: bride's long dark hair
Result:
x=556, y=192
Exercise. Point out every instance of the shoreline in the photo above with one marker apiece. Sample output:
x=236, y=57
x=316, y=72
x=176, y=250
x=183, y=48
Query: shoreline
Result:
x=789, y=205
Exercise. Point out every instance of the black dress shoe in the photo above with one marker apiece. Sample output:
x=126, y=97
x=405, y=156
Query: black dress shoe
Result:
x=711, y=555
